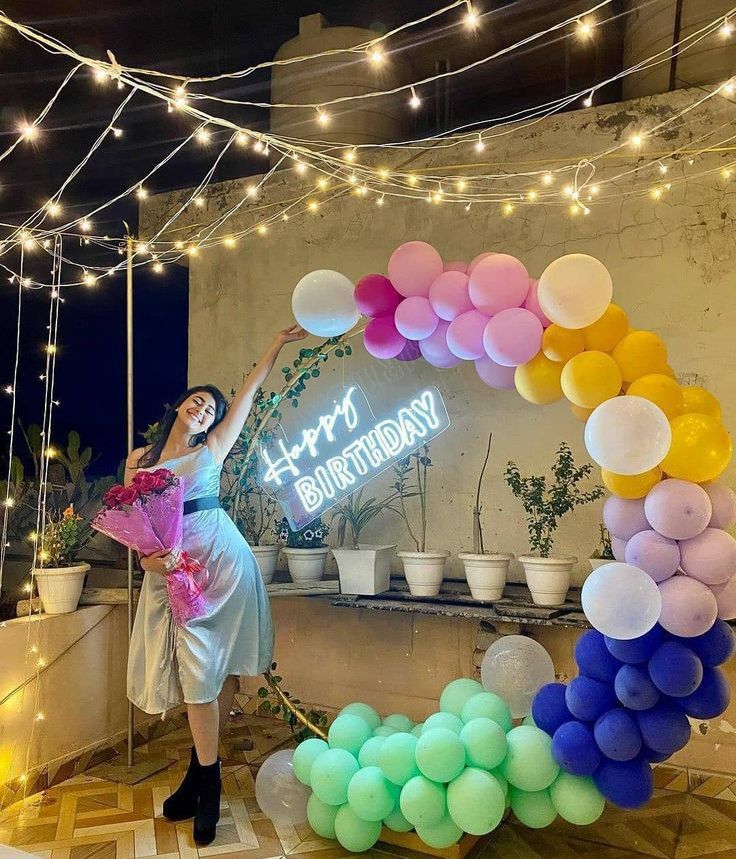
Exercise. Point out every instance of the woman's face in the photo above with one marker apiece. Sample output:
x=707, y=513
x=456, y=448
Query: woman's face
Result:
x=197, y=412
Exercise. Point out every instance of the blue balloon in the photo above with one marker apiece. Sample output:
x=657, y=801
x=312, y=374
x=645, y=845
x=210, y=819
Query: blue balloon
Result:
x=618, y=735
x=574, y=749
x=549, y=709
x=652, y=756
x=593, y=657
x=636, y=650
x=628, y=784
x=589, y=699
x=710, y=699
x=715, y=646
x=634, y=688
x=675, y=670
x=664, y=728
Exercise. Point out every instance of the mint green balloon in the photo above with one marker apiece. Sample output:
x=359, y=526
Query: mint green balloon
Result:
x=305, y=754
x=321, y=816
x=331, y=774
x=534, y=810
x=363, y=711
x=353, y=833
x=457, y=693
x=399, y=721
x=485, y=743
x=417, y=729
x=396, y=758
x=442, y=834
x=490, y=706
x=443, y=720
x=529, y=720
x=501, y=779
x=368, y=755
x=348, y=732
x=397, y=822
x=476, y=801
x=529, y=764
x=371, y=795
x=423, y=802
x=440, y=754
x=576, y=799
x=384, y=731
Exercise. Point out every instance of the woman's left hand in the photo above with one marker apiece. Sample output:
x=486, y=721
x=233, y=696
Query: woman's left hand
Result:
x=290, y=335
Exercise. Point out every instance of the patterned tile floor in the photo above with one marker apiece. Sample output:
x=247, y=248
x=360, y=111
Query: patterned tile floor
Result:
x=88, y=817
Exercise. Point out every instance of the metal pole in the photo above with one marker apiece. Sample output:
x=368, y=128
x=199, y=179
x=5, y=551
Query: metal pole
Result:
x=129, y=338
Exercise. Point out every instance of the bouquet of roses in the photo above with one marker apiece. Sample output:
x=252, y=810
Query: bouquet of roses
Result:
x=147, y=516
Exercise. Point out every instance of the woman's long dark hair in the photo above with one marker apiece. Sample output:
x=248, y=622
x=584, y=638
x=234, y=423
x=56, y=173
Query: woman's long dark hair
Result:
x=152, y=455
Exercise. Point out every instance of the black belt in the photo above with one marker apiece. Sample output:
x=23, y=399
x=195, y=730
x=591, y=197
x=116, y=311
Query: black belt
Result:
x=196, y=505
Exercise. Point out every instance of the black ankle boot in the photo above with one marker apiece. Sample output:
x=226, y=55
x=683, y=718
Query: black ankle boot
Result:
x=208, y=805
x=182, y=803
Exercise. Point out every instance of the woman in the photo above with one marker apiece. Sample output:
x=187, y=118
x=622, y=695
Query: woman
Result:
x=200, y=663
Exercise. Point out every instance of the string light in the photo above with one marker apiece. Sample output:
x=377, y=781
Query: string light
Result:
x=142, y=248
x=729, y=88
x=117, y=132
x=322, y=184
x=100, y=76
x=241, y=138
x=656, y=193
x=379, y=201
x=588, y=100
x=141, y=193
x=203, y=135
x=584, y=28
x=508, y=209
x=158, y=267
x=53, y=208
x=414, y=101
x=461, y=185
x=548, y=179
x=726, y=173
x=313, y=205
x=85, y=225
x=662, y=168
x=229, y=242
x=472, y=19
x=301, y=168
x=198, y=201
x=323, y=117
x=636, y=140
x=29, y=132
x=89, y=279
x=531, y=195
x=726, y=28
x=351, y=154
x=480, y=145
x=376, y=56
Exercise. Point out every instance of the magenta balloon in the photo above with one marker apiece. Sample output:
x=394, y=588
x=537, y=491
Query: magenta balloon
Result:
x=413, y=267
x=726, y=600
x=710, y=557
x=375, y=296
x=689, y=607
x=381, y=339
x=723, y=502
x=414, y=318
x=448, y=295
x=474, y=262
x=658, y=556
x=434, y=348
x=624, y=517
x=457, y=265
x=678, y=509
x=513, y=337
x=618, y=547
x=494, y=375
x=497, y=283
x=465, y=335
x=410, y=352
x=532, y=302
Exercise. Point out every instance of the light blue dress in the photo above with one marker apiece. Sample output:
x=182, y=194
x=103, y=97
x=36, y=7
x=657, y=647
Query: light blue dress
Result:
x=170, y=664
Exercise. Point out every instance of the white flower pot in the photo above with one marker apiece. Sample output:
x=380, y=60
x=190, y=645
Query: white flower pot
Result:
x=365, y=570
x=548, y=579
x=486, y=574
x=424, y=571
x=266, y=557
x=306, y=565
x=60, y=587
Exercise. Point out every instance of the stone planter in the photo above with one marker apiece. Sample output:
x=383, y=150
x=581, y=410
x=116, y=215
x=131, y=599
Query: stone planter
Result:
x=486, y=574
x=60, y=587
x=266, y=558
x=548, y=579
x=365, y=570
x=306, y=565
x=424, y=571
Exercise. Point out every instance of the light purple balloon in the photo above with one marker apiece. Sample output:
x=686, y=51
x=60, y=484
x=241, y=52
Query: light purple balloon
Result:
x=624, y=517
x=532, y=302
x=658, y=556
x=689, y=607
x=375, y=296
x=494, y=375
x=678, y=509
x=457, y=265
x=381, y=339
x=497, y=283
x=474, y=262
x=434, y=348
x=448, y=295
x=723, y=501
x=710, y=557
x=410, y=352
x=465, y=335
x=513, y=337
x=726, y=599
x=413, y=266
x=618, y=547
x=414, y=318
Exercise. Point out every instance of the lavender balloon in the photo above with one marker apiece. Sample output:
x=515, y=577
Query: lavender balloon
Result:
x=410, y=352
x=726, y=599
x=658, y=556
x=513, y=337
x=723, y=501
x=678, y=509
x=624, y=517
x=710, y=557
x=434, y=348
x=689, y=607
x=532, y=302
x=494, y=375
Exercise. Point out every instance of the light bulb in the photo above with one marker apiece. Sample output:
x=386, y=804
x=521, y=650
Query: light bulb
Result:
x=262, y=229
x=584, y=28
x=100, y=76
x=575, y=209
x=376, y=56
x=508, y=209
x=352, y=179
x=313, y=205
x=411, y=179
x=141, y=248
x=85, y=225
x=729, y=88
x=548, y=179
x=30, y=132
x=117, y=132
x=241, y=138
x=594, y=189
x=193, y=250
x=726, y=173
x=636, y=140
x=53, y=208
x=383, y=173
x=229, y=242
x=203, y=135
x=461, y=185
x=284, y=217
x=9, y=502
x=662, y=168
x=89, y=279
x=158, y=267
x=301, y=168
x=656, y=193
x=179, y=245
x=351, y=154
x=588, y=100
x=51, y=349
x=568, y=190
x=379, y=201
x=51, y=452
x=726, y=28
x=323, y=117
x=322, y=183
x=141, y=193
x=472, y=19
x=480, y=145
x=8, y=389
x=111, y=272
x=258, y=146
x=251, y=190
x=531, y=195
x=198, y=201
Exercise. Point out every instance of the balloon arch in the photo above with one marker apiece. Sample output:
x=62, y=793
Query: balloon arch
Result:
x=658, y=613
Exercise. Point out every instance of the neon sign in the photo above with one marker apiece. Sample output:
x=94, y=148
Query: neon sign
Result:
x=345, y=449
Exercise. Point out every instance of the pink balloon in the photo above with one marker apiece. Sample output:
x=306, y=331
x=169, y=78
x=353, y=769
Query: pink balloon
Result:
x=448, y=295
x=465, y=335
x=726, y=600
x=658, y=556
x=413, y=267
x=414, y=318
x=381, y=339
x=618, y=547
x=474, y=262
x=376, y=296
x=434, y=348
x=689, y=607
x=723, y=501
x=678, y=509
x=513, y=337
x=624, y=517
x=710, y=557
x=457, y=265
x=494, y=375
x=410, y=352
x=531, y=302
x=497, y=283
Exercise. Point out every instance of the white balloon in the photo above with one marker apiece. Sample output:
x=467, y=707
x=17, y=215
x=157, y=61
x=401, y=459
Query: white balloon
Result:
x=575, y=290
x=323, y=303
x=280, y=795
x=515, y=667
x=621, y=600
x=628, y=435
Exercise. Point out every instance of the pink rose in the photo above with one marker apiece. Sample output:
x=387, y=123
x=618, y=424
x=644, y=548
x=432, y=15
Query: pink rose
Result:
x=144, y=481
x=128, y=495
x=112, y=496
x=168, y=477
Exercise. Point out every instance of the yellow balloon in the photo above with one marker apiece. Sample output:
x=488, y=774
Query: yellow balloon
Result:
x=590, y=379
x=661, y=390
x=668, y=371
x=538, y=381
x=700, y=450
x=581, y=414
x=701, y=401
x=561, y=344
x=640, y=353
x=604, y=334
x=631, y=485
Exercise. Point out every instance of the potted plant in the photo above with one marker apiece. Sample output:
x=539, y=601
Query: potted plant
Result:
x=60, y=577
x=363, y=568
x=305, y=550
x=548, y=576
x=486, y=572
x=604, y=553
x=424, y=568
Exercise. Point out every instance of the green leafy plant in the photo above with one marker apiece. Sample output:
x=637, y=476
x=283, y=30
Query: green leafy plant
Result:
x=21, y=494
x=411, y=482
x=272, y=703
x=63, y=538
x=604, y=552
x=310, y=537
x=545, y=504
x=356, y=514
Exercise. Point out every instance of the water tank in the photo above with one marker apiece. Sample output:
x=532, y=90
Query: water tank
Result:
x=376, y=120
